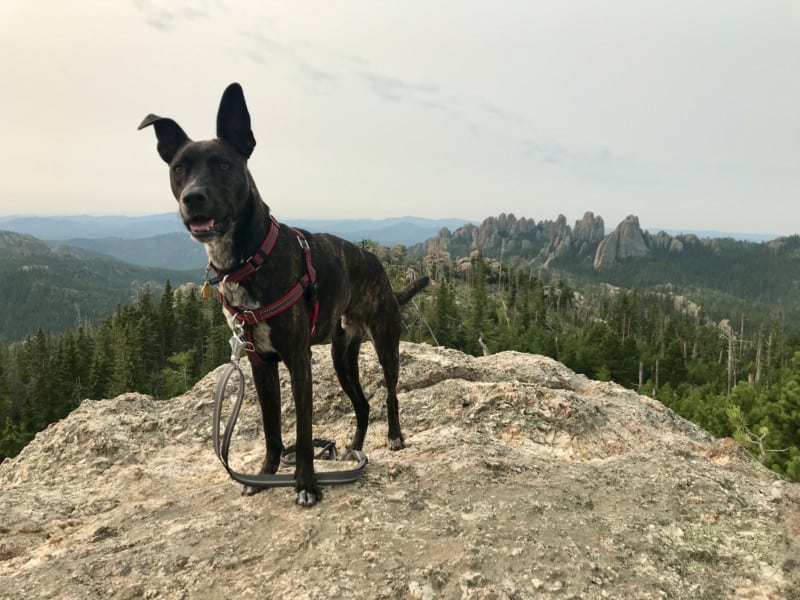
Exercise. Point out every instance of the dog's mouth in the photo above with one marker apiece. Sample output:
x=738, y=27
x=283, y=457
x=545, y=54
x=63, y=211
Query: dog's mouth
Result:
x=202, y=226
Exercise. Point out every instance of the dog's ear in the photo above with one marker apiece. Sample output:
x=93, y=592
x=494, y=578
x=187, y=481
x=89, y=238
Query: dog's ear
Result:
x=170, y=136
x=233, y=121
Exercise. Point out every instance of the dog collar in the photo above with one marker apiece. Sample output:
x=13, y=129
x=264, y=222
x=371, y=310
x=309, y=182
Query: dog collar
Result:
x=252, y=264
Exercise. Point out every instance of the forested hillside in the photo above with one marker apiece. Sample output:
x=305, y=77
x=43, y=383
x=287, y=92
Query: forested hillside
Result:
x=62, y=288
x=158, y=348
x=732, y=365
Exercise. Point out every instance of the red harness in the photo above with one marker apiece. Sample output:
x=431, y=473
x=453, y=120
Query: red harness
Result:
x=307, y=286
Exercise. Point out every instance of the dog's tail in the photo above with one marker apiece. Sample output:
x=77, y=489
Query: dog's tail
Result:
x=411, y=290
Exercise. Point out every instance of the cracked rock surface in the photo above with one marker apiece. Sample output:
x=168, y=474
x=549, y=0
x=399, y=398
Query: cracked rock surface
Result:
x=521, y=479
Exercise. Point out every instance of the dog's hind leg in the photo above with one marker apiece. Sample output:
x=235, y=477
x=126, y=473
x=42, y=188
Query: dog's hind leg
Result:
x=265, y=376
x=386, y=338
x=344, y=351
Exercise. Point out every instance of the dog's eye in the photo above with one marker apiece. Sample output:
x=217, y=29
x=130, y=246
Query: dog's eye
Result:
x=224, y=166
x=179, y=170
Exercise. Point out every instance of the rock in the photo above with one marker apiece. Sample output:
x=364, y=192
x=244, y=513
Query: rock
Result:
x=578, y=242
x=589, y=230
x=521, y=478
x=626, y=241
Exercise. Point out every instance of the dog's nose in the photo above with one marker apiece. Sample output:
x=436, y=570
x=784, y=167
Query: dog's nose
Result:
x=193, y=197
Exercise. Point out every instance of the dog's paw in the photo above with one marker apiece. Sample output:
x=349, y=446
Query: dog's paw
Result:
x=396, y=444
x=307, y=499
x=249, y=490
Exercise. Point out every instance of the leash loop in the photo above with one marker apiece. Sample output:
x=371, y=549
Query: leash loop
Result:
x=221, y=437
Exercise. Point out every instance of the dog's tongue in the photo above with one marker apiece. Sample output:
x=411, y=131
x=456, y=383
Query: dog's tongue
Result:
x=201, y=225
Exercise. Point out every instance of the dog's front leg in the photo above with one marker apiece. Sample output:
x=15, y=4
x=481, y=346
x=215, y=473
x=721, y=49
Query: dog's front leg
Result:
x=265, y=376
x=299, y=365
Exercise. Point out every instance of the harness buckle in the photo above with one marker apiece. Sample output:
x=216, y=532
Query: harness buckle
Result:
x=238, y=343
x=257, y=260
x=253, y=263
x=246, y=316
x=303, y=243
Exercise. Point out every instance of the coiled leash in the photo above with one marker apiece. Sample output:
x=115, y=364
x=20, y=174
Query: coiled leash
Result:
x=268, y=480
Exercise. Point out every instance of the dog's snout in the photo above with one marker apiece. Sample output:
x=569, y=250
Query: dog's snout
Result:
x=194, y=197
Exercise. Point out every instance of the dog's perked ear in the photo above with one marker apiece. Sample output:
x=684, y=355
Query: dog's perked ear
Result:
x=170, y=135
x=233, y=121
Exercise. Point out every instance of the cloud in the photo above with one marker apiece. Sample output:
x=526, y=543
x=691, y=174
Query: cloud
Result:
x=265, y=46
x=483, y=118
x=398, y=90
x=322, y=68
x=166, y=20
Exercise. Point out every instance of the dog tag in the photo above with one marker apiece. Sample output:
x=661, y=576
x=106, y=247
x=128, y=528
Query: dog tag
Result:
x=205, y=293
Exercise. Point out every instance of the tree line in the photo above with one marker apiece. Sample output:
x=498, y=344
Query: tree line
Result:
x=158, y=348
x=733, y=378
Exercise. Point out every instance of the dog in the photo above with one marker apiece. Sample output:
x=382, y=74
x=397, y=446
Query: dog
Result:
x=308, y=288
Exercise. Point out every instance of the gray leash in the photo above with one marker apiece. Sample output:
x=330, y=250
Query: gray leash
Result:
x=267, y=480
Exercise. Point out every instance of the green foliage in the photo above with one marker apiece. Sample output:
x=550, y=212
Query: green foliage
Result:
x=159, y=349
x=638, y=339
x=741, y=381
x=64, y=287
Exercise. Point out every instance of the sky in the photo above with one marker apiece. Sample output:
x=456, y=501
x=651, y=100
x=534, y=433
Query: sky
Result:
x=684, y=113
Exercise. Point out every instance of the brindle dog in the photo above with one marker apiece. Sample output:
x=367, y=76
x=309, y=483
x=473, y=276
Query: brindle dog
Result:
x=221, y=208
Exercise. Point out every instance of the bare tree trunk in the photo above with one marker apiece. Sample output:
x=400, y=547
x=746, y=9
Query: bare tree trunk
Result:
x=769, y=355
x=731, y=360
x=655, y=387
x=505, y=313
x=758, y=357
x=641, y=373
x=500, y=273
x=741, y=329
x=483, y=346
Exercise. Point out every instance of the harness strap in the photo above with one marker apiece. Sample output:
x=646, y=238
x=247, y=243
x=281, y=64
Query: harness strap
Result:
x=269, y=480
x=255, y=261
x=307, y=285
x=252, y=317
x=311, y=288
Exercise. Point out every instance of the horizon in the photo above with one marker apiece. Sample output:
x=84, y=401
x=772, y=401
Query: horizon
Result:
x=708, y=233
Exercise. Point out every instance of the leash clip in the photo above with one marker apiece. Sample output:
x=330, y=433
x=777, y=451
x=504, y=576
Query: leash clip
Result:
x=238, y=343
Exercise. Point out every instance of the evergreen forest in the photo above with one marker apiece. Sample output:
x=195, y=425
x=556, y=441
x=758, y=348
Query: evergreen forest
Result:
x=736, y=375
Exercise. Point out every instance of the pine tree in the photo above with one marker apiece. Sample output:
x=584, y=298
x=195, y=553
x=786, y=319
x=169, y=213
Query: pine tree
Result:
x=101, y=362
x=477, y=324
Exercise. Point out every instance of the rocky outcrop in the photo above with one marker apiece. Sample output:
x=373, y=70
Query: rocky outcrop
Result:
x=502, y=236
x=579, y=242
x=589, y=231
x=521, y=479
x=627, y=241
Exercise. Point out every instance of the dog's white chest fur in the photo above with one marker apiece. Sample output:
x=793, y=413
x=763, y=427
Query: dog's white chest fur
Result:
x=235, y=295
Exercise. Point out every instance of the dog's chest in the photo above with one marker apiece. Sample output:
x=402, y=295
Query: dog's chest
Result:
x=236, y=295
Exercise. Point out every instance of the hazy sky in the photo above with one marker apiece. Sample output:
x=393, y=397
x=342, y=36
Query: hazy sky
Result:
x=685, y=113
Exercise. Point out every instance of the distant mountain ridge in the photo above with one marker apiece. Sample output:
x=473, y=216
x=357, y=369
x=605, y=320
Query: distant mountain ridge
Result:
x=715, y=272
x=65, y=227
x=162, y=240
x=547, y=242
x=752, y=277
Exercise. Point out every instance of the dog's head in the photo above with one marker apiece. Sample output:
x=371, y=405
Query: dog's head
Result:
x=209, y=178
